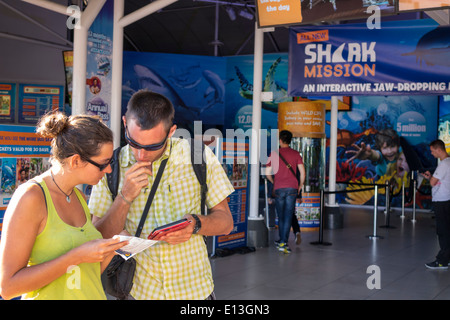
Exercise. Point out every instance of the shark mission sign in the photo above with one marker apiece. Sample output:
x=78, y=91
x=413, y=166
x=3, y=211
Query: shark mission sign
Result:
x=400, y=58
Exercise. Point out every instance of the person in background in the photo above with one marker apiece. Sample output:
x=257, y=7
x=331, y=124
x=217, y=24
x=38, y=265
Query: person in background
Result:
x=49, y=249
x=286, y=185
x=177, y=267
x=440, y=193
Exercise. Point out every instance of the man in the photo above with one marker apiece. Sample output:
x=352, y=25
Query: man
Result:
x=440, y=183
x=287, y=187
x=177, y=267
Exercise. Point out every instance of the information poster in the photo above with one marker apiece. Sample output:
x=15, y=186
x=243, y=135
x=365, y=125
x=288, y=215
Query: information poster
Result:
x=7, y=102
x=98, y=67
x=234, y=155
x=23, y=155
x=36, y=100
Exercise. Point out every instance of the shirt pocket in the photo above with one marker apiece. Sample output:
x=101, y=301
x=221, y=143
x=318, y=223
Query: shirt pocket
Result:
x=181, y=196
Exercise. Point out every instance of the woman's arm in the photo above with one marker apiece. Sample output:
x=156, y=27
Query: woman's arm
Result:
x=24, y=219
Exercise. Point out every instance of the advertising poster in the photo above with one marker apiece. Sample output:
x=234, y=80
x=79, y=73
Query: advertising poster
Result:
x=23, y=155
x=444, y=120
x=234, y=155
x=400, y=58
x=36, y=100
x=68, y=70
x=7, y=102
x=98, y=68
x=285, y=12
x=384, y=138
x=194, y=84
x=419, y=5
x=239, y=92
x=282, y=12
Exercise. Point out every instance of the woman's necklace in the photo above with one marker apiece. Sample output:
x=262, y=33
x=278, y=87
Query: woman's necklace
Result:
x=67, y=195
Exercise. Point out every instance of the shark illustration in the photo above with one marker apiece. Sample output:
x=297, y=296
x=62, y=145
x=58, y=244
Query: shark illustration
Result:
x=433, y=48
x=269, y=85
x=149, y=79
x=186, y=78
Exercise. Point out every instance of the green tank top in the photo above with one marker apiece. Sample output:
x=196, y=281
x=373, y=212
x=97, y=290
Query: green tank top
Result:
x=81, y=282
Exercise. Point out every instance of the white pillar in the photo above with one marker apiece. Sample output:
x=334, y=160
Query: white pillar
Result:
x=120, y=22
x=80, y=56
x=116, y=71
x=256, y=123
x=333, y=151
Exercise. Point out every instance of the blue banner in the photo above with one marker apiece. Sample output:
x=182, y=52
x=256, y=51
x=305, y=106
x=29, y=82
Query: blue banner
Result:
x=402, y=57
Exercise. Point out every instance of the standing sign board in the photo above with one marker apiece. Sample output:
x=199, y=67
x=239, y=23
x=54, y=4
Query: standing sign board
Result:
x=234, y=157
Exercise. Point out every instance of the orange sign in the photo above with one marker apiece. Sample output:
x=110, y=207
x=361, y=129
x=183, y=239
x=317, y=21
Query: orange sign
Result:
x=280, y=12
x=302, y=118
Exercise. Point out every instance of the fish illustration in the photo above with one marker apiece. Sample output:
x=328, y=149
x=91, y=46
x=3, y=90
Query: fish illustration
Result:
x=216, y=89
x=433, y=48
x=269, y=85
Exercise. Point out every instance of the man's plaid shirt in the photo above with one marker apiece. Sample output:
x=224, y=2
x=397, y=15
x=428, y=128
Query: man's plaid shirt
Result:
x=166, y=271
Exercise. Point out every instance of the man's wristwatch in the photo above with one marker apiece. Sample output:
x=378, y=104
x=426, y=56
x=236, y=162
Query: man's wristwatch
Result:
x=198, y=224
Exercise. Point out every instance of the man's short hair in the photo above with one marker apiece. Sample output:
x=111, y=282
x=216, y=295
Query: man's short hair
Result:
x=148, y=109
x=438, y=144
x=286, y=136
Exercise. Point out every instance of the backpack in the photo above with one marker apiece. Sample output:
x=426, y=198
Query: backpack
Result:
x=198, y=164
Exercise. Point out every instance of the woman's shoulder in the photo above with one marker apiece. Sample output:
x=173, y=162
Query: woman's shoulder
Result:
x=28, y=200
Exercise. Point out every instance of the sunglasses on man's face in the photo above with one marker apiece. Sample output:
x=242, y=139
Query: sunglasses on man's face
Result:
x=149, y=147
x=98, y=165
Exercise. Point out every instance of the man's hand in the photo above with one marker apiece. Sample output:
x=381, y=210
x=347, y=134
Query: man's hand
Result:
x=136, y=178
x=178, y=236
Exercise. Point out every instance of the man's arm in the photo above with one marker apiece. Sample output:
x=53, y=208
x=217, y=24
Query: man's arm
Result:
x=433, y=181
x=301, y=168
x=113, y=221
x=218, y=221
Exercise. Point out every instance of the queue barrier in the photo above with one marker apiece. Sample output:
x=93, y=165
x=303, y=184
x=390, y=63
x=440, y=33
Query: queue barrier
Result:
x=371, y=186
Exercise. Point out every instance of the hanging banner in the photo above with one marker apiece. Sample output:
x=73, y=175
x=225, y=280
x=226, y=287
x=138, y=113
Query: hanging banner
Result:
x=420, y=5
x=98, y=66
x=402, y=57
x=290, y=12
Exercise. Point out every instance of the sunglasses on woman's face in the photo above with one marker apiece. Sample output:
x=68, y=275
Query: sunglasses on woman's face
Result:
x=98, y=165
x=149, y=147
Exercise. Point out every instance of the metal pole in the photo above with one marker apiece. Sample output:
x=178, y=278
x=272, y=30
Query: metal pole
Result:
x=403, y=200
x=375, y=212
x=414, y=201
x=266, y=202
x=388, y=207
x=322, y=200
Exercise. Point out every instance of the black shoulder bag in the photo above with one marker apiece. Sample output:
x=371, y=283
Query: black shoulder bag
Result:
x=117, y=279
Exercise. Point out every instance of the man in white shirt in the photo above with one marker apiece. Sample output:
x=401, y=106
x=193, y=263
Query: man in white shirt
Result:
x=440, y=183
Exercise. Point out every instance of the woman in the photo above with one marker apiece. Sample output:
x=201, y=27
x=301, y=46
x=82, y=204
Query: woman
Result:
x=49, y=247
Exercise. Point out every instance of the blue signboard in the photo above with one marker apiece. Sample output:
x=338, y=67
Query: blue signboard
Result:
x=400, y=58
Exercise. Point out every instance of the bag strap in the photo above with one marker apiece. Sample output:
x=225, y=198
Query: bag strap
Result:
x=150, y=197
x=288, y=165
x=199, y=166
x=113, y=177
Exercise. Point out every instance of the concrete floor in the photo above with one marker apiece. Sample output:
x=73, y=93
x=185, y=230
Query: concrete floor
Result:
x=343, y=270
